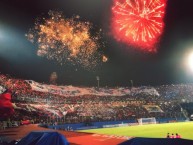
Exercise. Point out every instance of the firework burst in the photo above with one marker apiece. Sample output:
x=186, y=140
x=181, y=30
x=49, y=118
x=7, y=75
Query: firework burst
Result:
x=63, y=40
x=138, y=22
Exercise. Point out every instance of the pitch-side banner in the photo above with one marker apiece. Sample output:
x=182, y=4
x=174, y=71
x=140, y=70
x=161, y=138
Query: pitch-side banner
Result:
x=78, y=91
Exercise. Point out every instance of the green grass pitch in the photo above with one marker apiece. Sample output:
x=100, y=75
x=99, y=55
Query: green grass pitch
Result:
x=185, y=129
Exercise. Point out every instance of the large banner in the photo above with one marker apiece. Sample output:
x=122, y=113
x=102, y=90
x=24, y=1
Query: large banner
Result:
x=152, y=108
x=78, y=91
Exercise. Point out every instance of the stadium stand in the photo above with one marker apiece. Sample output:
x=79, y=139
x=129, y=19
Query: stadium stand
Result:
x=103, y=104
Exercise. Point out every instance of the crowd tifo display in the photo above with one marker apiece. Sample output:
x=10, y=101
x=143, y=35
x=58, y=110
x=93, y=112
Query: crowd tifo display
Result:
x=92, y=104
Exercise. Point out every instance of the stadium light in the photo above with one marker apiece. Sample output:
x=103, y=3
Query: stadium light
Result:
x=190, y=61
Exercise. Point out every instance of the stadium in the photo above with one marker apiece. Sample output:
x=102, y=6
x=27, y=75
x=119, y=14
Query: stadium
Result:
x=95, y=72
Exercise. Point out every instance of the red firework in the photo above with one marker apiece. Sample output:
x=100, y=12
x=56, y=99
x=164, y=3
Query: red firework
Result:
x=138, y=22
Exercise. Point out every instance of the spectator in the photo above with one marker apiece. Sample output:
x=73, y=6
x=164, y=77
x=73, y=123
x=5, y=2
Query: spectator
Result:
x=172, y=136
x=168, y=135
x=178, y=135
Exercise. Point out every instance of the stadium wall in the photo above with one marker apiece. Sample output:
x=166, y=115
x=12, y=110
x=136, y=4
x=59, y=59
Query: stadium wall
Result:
x=92, y=125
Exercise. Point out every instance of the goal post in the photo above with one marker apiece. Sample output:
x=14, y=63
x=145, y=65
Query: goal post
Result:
x=143, y=121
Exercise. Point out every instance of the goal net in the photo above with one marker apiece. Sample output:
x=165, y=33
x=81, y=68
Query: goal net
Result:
x=142, y=121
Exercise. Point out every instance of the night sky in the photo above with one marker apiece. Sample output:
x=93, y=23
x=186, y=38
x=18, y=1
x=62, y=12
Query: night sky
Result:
x=18, y=56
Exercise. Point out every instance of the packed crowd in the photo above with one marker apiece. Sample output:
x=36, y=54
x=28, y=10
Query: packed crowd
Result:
x=164, y=102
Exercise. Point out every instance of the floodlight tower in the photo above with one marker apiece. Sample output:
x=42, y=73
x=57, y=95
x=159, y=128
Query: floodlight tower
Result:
x=98, y=80
x=131, y=83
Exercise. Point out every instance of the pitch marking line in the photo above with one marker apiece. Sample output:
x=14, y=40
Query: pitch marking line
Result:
x=107, y=137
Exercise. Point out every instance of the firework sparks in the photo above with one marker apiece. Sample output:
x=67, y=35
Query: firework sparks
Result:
x=104, y=58
x=138, y=22
x=63, y=39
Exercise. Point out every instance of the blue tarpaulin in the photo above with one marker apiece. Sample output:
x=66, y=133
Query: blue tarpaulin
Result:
x=43, y=138
x=157, y=141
